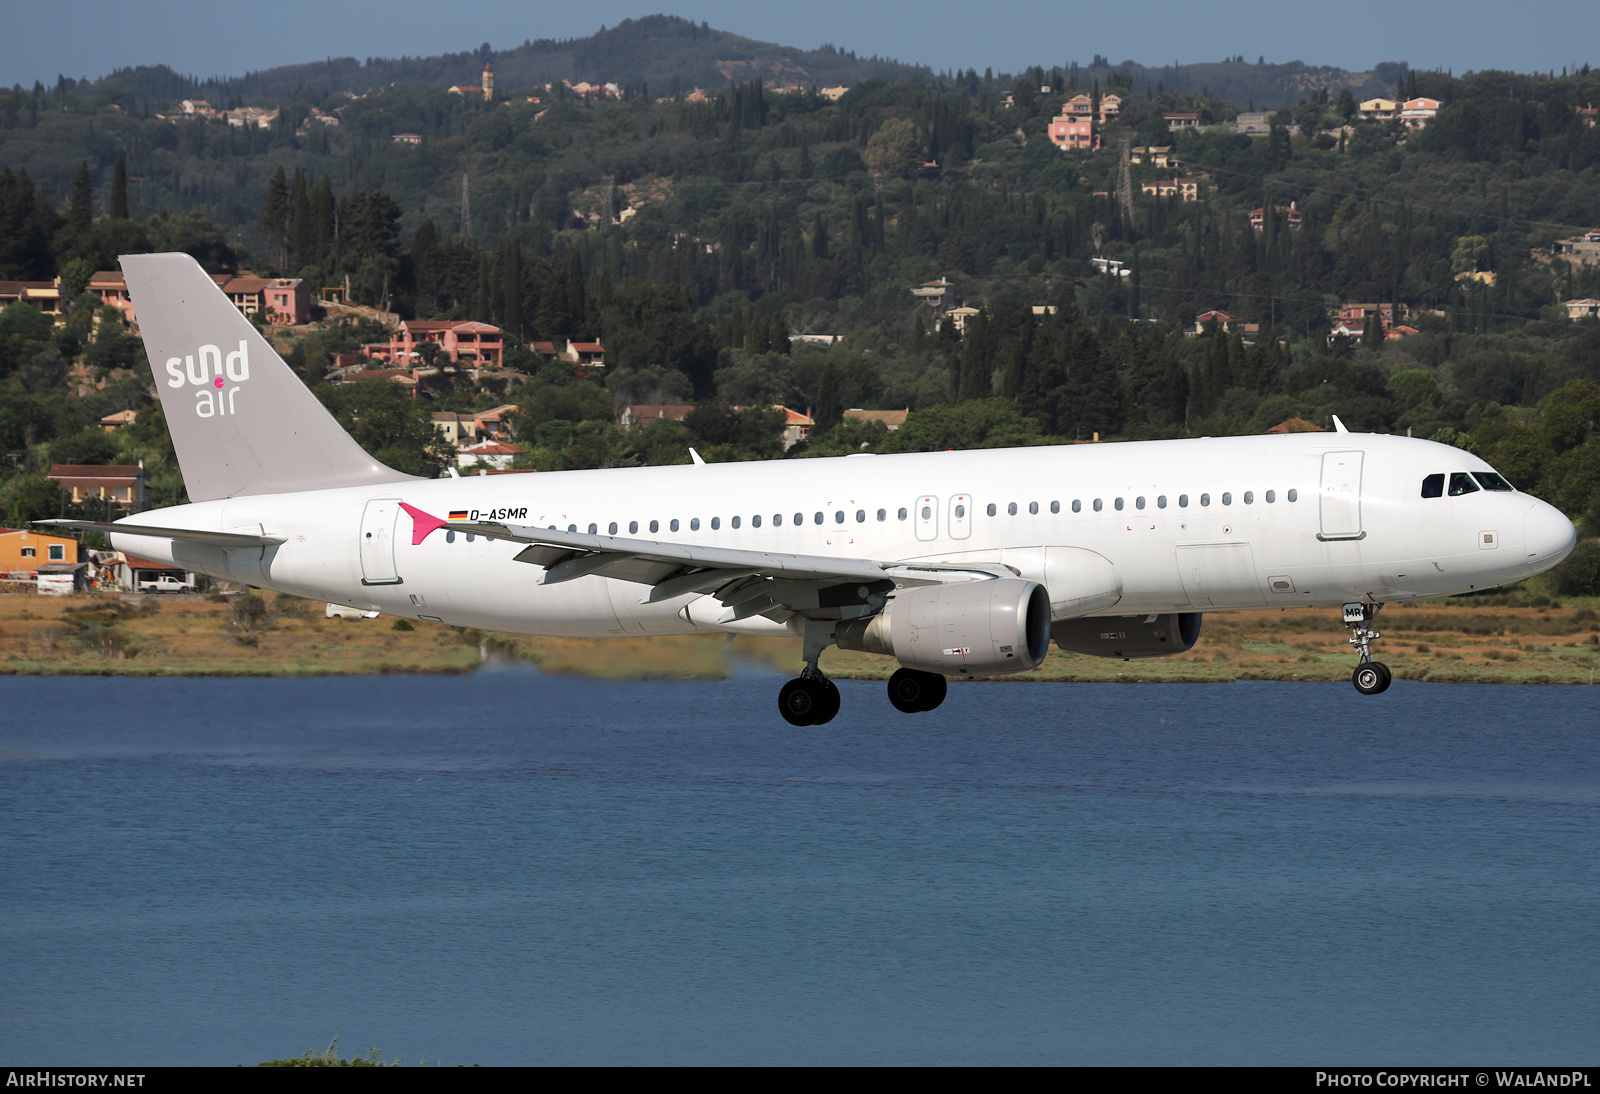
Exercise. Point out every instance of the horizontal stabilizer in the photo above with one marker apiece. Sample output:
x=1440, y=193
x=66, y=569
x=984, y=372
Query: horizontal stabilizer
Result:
x=190, y=535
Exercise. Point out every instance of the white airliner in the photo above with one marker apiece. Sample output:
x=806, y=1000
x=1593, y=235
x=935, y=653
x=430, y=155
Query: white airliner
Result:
x=953, y=563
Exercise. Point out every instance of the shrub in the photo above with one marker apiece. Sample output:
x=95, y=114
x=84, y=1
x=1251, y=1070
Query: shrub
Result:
x=1579, y=575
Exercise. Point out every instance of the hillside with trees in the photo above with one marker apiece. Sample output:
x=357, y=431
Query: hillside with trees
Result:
x=703, y=238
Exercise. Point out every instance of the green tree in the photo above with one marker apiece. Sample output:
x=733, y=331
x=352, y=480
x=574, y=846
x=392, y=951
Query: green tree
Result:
x=896, y=148
x=390, y=425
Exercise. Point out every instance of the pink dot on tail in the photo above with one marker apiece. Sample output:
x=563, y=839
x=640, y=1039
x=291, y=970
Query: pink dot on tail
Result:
x=217, y=381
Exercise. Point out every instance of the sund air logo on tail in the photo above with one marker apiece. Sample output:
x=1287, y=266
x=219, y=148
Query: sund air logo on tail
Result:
x=216, y=374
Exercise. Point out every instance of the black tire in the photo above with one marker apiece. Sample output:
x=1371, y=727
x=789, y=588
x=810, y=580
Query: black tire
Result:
x=912, y=691
x=907, y=690
x=800, y=702
x=1371, y=678
x=829, y=708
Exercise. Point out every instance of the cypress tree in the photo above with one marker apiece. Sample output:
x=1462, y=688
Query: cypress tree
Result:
x=119, y=190
x=80, y=213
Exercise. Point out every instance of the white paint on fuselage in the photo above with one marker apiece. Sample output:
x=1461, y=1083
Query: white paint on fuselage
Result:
x=1411, y=547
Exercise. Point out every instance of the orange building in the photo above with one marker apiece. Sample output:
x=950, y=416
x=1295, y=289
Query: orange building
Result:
x=25, y=551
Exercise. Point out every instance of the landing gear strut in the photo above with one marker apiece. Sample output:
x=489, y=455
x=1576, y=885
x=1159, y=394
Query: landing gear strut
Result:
x=811, y=699
x=1370, y=677
x=912, y=691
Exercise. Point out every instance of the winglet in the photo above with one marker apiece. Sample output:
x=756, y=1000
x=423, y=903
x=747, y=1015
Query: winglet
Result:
x=700, y=462
x=421, y=523
x=1338, y=426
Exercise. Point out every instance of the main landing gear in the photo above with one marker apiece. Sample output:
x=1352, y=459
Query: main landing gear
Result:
x=811, y=699
x=1370, y=677
x=912, y=691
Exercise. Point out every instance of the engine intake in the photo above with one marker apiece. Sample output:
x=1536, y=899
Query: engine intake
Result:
x=1129, y=636
x=975, y=628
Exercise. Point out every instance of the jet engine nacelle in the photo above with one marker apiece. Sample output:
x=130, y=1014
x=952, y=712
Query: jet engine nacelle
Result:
x=974, y=628
x=1129, y=636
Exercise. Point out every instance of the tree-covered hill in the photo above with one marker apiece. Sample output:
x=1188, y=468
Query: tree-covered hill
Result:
x=695, y=238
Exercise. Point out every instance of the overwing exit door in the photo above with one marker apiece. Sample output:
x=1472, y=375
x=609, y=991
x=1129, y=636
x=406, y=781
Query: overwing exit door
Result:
x=377, y=542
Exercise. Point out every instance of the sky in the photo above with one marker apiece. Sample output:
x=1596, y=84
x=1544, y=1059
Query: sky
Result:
x=223, y=39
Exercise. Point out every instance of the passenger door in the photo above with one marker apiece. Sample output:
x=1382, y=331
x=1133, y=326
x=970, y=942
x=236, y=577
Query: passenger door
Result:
x=1341, y=495
x=927, y=518
x=377, y=542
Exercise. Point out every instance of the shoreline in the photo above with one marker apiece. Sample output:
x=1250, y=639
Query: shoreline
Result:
x=152, y=636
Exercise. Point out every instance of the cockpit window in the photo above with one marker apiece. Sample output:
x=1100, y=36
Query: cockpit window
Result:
x=1461, y=483
x=1433, y=486
x=1491, y=481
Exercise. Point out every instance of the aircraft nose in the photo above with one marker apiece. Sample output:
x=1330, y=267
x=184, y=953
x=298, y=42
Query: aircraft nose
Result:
x=1550, y=536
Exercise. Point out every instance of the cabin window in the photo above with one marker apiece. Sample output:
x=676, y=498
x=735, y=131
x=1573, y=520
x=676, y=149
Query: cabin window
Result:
x=1227, y=498
x=674, y=524
x=1249, y=497
x=861, y=516
x=611, y=529
x=902, y=515
x=694, y=524
x=1077, y=506
x=1011, y=510
x=1098, y=505
x=1118, y=504
x=716, y=522
x=1293, y=495
x=1161, y=501
x=735, y=522
x=1033, y=507
x=593, y=528
x=883, y=515
x=1138, y=503
x=1461, y=483
x=633, y=527
x=1433, y=486
x=449, y=537
x=927, y=512
x=992, y=510
x=1272, y=496
x=1491, y=481
x=1055, y=507
x=755, y=521
x=838, y=516
x=1205, y=499
x=961, y=512
x=817, y=519
x=572, y=527
x=777, y=520
x=655, y=526
x=799, y=519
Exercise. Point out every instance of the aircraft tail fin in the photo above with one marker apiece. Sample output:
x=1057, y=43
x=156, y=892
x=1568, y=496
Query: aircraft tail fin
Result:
x=241, y=420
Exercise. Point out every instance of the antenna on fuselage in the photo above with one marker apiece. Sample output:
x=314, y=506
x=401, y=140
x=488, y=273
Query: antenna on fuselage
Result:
x=696, y=457
x=1338, y=426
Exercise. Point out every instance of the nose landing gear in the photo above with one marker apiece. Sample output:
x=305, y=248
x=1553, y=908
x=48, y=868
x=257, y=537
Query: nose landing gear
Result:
x=1370, y=677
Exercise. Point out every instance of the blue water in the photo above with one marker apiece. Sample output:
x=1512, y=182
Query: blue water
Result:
x=509, y=868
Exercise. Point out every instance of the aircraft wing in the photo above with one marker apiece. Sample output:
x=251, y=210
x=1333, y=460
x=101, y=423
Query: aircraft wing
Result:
x=748, y=582
x=215, y=539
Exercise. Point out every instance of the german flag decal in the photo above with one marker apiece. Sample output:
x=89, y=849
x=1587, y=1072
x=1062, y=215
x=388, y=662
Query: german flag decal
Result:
x=458, y=514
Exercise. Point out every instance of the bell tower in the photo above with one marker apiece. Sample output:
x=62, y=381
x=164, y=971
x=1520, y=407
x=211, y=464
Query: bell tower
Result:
x=488, y=82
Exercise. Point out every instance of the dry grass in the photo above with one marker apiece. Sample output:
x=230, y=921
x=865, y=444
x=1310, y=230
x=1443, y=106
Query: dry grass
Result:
x=196, y=636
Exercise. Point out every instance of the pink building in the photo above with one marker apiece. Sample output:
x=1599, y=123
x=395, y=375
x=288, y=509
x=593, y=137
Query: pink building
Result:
x=467, y=342
x=1070, y=132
